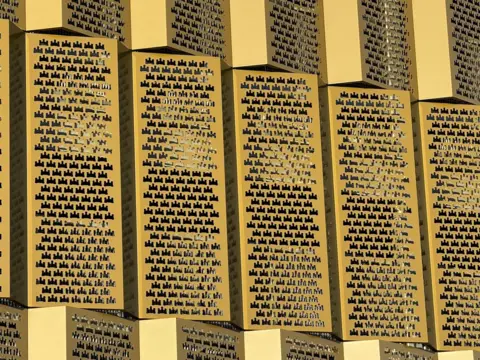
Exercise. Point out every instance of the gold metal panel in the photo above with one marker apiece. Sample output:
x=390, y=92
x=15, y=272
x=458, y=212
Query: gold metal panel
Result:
x=18, y=172
x=459, y=355
x=73, y=193
x=382, y=350
x=289, y=32
x=306, y=347
x=285, y=345
x=446, y=37
x=63, y=333
x=131, y=272
x=379, y=35
x=463, y=28
x=194, y=339
x=179, y=185
x=4, y=159
x=193, y=27
x=274, y=168
x=106, y=18
x=447, y=156
x=178, y=339
x=372, y=214
x=92, y=334
x=13, y=333
x=14, y=11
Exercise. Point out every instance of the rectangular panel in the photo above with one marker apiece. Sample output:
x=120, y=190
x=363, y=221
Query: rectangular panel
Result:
x=65, y=333
x=388, y=44
x=252, y=37
x=294, y=37
x=286, y=345
x=73, y=162
x=13, y=10
x=447, y=140
x=18, y=171
x=446, y=36
x=284, y=34
x=200, y=27
x=107, y=18
x=382, y=350
x=13, y=333
x=51, y=344
x=93, y=335
x=372, y=208
x=180, y=188
x=4, y=159
x=463, y=29
x=196, y=340
x=281, y=221
x=371, y=41
x=306, y=347
x=432, y=48
x=192, y=27
x=459, y=355
x=178, y=339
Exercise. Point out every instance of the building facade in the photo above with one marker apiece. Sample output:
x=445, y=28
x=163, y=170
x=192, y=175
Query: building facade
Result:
x=68, y=248
x=174, y=181
x=239, y=179
x=279, y=266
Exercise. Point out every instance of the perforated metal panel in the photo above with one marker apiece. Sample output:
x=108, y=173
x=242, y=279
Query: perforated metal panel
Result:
x=13, y=333
x=371, y=42
x=285, y=345
x=275, y=169
x=177, y=339
x=381, y=350
x=72, y=248
x=194, y=27
x=386, y=35
x=106, y=18
x=372, y=214
x=95, y=335
x=446, y=37
x=284, y=34
x=4, y=160
x=65, y=333
x=448, y=146
x=179, y=179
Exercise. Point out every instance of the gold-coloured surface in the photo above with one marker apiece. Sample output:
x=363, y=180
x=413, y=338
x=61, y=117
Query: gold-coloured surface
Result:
x=194, y=27
x=72, y=247
x=18, y=181
x=372, y=214
x=371, y=41
x=13, y=10
x=4, y=160
x=282, y=270
x=91, y=334
x=446, y=37
x=287, y=33
x=381, y=350
x=286, y=345
x=63, y=333
x=463, y=27
x=178, y=339
x=106, y=18
x=448, y=166
x=131, y=273
x=179, y=178
x=459, y=355
x=13, y=333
